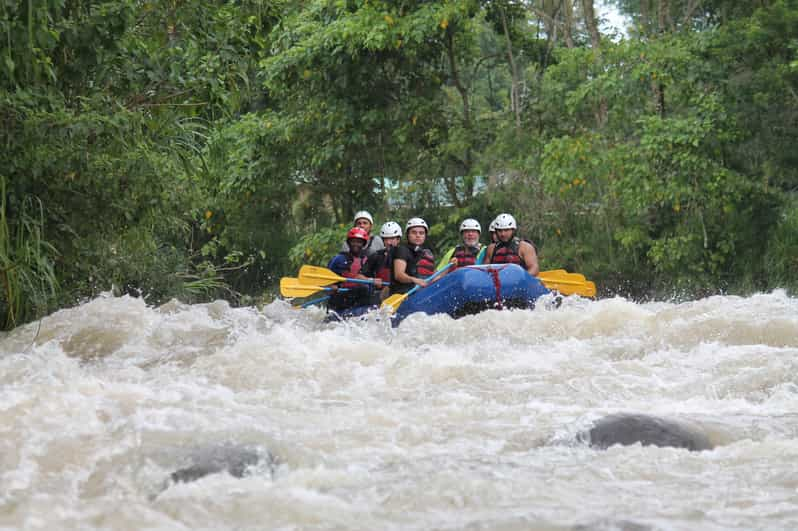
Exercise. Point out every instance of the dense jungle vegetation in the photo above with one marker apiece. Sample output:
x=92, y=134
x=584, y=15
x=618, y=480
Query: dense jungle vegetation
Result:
x=202, y=149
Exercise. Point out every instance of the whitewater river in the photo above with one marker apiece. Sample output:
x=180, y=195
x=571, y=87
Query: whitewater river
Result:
x=437, y=424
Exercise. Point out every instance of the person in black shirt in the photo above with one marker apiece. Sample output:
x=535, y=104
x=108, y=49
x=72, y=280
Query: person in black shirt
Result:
x=412, y=262
x=380, y=264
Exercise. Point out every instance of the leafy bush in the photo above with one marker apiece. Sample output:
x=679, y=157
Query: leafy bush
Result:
x=318, y=247
x=781, y=258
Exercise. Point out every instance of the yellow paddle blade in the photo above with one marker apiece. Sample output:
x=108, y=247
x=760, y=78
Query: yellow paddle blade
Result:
x=568, y=283
x=585, y=289
x=292, y=287
x=320, y=276
x=561, y=275
x=394, y=301
x=553, y=272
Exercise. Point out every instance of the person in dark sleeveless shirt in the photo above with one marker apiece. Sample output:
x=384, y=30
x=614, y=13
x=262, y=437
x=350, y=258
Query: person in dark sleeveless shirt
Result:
x=509, y=249
x=380, y=264
x=412, y=262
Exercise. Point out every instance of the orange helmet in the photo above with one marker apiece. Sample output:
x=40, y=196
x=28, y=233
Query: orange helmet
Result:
x=357, y=232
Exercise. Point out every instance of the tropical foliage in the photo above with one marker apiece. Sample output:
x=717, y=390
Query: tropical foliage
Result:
x=204, y=149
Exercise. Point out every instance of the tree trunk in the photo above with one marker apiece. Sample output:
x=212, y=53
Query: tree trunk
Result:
x=595, y=42
x=645, y=17
x=664, y=20
x=689, y=11
x=458, y=84
x=658, y=90
x=451, y=189
x=664, y=23
x=592, y=24
x=568, y=27
x=515, y=92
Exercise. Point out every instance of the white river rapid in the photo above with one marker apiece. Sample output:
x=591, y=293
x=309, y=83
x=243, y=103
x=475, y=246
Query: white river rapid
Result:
x=437, y=424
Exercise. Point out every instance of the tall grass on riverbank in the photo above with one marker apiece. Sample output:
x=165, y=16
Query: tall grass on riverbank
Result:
x=781, y=259
x=28, y=283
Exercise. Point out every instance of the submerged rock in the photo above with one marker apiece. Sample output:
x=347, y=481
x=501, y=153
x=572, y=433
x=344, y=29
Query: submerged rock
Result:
x=612, y=525
x=628, y=429
x=234, y=460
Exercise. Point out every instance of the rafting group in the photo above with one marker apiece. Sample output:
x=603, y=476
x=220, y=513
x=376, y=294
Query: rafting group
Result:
x=374, y=270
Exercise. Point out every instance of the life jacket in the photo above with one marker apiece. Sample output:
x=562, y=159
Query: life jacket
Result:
x=466, y=255
x=420, y=265
x=358, y=294
x=384, y=264
x=507, y=253
x=423, y=264
x=354, y=266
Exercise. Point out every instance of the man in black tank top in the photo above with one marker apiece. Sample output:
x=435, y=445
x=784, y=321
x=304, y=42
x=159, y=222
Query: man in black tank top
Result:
x=380, y=264
x=412, y=261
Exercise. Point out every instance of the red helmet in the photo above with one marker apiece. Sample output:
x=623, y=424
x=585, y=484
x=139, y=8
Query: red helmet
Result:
x=357, y=232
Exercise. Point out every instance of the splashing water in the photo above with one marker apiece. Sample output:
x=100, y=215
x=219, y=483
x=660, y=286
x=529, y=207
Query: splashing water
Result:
x=437, y=424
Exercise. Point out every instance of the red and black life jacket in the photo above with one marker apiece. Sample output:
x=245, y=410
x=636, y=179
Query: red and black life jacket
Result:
x=354, y=266
x=423, y=264
x=420, y=264
x=507, y=253
x=466, y=255
x=358, y=294
x=383, y=266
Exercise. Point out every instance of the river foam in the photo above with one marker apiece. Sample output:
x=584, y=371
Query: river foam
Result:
x=436, y=424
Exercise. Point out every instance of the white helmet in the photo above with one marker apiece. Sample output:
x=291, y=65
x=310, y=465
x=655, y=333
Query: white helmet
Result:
x=492, y=227
x=505, y=221
x=391, y=229
x=363, y=215
x=416, y=222
x=470, y=224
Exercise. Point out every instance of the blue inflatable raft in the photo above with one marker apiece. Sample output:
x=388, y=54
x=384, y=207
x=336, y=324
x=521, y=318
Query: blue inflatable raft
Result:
x=472, y=289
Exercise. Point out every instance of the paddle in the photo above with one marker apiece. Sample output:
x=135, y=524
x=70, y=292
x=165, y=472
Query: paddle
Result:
x=481, y=255
x=315, y=275
x=561, y=274
x=312, y=302
x=568, y=283
x=393, y=302
x=292, y=287
x=554, y=272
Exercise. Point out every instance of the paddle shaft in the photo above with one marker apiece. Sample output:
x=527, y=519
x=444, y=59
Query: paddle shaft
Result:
x=430, y=278
x=398, y=298
x=322, y=275
x=314, y=301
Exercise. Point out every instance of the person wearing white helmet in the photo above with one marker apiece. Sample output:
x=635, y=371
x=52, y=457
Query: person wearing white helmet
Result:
x=412, y=262
x=509, y=249
x=380, y=264
x=391, y=231
x=469, y=251
x=364, y=221
x=492, y=230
